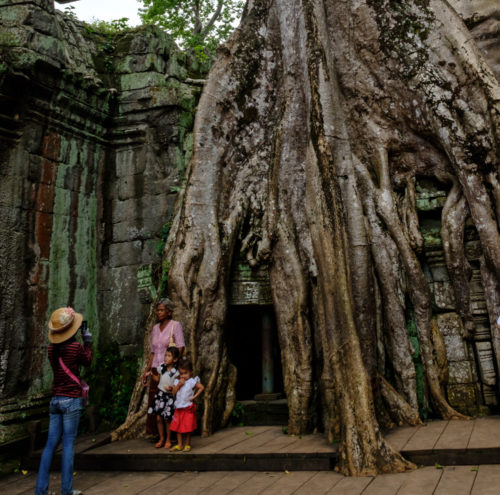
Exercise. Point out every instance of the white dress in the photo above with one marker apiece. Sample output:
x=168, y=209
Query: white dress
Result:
x=185, y=392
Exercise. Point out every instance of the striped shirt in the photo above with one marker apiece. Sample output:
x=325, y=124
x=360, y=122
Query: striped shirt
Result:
x=73, y=355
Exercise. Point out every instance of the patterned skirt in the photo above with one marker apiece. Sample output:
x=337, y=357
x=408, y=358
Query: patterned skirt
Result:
x=163, y=405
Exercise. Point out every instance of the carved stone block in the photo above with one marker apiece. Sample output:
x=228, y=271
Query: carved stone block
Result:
x=444, y=297
x=455, y=348
x=462, y=396
x=489, y=395
x=486, y=364
x=450, y=324
x=473, y=250
x=460, y=372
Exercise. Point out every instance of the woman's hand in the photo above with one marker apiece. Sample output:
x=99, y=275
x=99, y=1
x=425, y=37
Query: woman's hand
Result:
x=145, y=377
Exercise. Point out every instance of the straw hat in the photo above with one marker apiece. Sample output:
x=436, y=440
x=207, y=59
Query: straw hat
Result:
x=63, y=324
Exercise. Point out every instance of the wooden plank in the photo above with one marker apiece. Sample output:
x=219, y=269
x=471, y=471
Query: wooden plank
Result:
x=322, y=482
x=229, y=482
x=385, y=484
x=251, y=442
x=172, y=482
x=291, y=482
x=399, y=437
x=199, y=483
x=486, y=433
x=426, y=436
x=19, y=483
x=487, y=480
x=257, y=483
x=237, y=437
x=422, y=481
x=126, y=483
x=279, y=444
x=82, y=480
x=457, y=480
x=311, y=444
x=456, y=435
x=350, y=486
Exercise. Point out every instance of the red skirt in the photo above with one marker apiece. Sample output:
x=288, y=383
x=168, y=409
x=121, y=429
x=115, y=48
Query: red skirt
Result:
x=184, y=420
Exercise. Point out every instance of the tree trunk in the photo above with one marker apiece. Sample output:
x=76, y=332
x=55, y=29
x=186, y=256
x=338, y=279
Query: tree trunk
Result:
x=314, y=124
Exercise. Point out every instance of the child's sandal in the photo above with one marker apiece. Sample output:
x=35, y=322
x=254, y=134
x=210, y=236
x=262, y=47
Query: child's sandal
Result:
x=187, y=448
x=159, y=445
x=176, y=448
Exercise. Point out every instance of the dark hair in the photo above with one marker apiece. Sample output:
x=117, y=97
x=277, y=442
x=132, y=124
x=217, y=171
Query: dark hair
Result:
x=185, y=364
x=174, y=351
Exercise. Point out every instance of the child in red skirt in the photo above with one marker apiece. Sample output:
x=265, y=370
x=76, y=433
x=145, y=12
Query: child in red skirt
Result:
x=186, y=390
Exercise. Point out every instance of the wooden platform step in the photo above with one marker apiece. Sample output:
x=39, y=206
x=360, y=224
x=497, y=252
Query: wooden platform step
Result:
x=249, y=448
x=269, y=448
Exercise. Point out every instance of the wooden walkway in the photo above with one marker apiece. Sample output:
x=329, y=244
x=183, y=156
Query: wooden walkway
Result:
x=476, y=441
x=267, y=448
x=456, y=480
x=248, y=448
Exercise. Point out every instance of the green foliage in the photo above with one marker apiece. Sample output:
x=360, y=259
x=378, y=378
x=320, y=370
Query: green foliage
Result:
x=163, y=238
x=117, y=26
x=106, y=32
x=70, y=12
x=238, y=414
x=196, y=25
x=112, y=378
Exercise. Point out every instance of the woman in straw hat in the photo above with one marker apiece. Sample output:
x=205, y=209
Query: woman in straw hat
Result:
x=66, y=354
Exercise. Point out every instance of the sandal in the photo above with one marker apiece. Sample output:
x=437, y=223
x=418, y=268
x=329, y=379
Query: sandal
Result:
x=159, y=444
x=176, y=448
x=167, y=445
x=187, y=448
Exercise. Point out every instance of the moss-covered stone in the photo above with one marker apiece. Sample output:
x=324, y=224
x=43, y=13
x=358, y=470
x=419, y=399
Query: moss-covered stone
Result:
x=97, y=134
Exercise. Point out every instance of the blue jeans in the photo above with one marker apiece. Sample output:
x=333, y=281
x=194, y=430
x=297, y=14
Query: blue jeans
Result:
x=64, y=418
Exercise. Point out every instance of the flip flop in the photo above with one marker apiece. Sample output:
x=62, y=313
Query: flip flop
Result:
x=176, y=448
x=159, y=444
x=187, y=448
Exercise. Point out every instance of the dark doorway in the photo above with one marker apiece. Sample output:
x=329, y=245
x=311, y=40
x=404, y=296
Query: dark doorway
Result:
x=244, y=331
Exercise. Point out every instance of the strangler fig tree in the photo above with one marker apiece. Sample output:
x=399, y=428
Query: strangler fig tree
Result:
x=316, y=122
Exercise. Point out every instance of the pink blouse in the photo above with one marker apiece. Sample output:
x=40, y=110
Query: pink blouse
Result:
x=160, y=340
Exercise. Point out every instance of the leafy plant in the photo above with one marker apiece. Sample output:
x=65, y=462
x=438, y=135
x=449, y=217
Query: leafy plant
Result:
x=70, y=12
x=112, y=378
x=107, y=33
x=238, y=414
x=196, y=25
x=117, y=26
x=165, y=230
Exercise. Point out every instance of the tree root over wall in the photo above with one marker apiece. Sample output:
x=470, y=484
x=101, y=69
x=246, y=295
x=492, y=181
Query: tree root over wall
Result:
x=314, y=125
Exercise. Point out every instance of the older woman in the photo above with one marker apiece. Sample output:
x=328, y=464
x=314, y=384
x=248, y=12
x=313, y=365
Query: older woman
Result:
x=166, y=333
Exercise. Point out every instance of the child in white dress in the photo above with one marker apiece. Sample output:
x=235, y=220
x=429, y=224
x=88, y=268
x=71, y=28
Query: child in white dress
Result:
x=186, y=390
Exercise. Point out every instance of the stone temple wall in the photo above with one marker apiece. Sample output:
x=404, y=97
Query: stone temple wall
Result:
x=95, y=131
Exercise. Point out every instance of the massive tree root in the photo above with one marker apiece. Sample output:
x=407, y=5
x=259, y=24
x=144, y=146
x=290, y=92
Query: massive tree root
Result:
x=315, y=124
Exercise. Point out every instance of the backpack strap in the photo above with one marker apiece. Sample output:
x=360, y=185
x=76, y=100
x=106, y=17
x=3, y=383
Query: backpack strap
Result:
x=68, y=372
